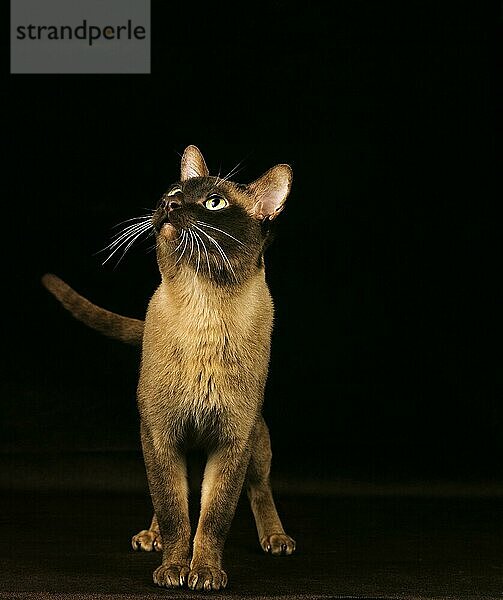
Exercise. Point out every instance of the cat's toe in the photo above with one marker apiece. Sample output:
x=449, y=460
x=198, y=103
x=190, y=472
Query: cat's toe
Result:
x=278, y=544
x=207, y=578
x=171, y=575
x=147, y=540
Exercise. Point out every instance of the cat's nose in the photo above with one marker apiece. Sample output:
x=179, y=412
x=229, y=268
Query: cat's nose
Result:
x=173, y=205
x=174, y=202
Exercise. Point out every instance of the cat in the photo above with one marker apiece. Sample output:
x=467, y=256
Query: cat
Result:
x=205, y=354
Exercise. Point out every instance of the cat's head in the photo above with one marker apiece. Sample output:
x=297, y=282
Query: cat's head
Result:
x=213, y=227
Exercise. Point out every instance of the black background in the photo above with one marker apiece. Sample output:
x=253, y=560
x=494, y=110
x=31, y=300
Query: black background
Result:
x=384, y=269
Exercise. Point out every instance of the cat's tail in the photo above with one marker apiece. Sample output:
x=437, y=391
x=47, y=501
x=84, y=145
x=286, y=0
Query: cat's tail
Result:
x=124, y=329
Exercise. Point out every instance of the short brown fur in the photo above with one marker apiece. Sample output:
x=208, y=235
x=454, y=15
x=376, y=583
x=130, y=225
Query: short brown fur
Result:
x=205, y=356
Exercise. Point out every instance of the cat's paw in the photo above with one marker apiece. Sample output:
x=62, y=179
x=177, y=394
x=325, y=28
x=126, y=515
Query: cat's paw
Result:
x=147, y=540
x=207, y=577
x=278, y=544
x=171, y=576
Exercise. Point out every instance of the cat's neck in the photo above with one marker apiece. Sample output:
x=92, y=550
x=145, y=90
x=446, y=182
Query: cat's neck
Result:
x=188, y=288
x=196, y=298
x=194, y=314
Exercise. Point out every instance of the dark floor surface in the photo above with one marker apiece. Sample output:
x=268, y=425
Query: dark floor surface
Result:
x=76, y=545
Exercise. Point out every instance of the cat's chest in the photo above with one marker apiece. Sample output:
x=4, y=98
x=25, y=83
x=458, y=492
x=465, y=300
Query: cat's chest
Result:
x=209, y=351
x=202, y=332
x=199, y=350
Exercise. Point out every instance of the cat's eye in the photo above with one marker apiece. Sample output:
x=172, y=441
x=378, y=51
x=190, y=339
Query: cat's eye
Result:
x=215, y=202
x=174, y=191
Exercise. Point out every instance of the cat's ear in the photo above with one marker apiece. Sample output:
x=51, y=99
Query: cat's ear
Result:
x=193, y=164
x=270, y=191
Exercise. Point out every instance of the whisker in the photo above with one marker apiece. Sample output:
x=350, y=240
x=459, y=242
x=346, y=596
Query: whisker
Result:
x=184, y=238
x=217, y=177
x=179, y=237
x=142, y=218
x=123, y=234
x=123, y=239
x=127, y=231
x=205, y=251
x=198, y=252
x=137, y=236
x=191, y=234
x=233, y=171
x=128, y=239
x=220, y=250
x=221, y=231
x=130, y=235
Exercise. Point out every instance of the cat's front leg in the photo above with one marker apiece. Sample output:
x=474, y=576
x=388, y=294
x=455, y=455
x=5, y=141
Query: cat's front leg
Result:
x=222, y=483
x=167, y=477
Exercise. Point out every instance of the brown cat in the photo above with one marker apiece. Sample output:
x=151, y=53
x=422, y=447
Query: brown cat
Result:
x=205, y=354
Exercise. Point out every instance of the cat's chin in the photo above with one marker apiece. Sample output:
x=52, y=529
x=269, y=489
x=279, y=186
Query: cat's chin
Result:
x=168, y=231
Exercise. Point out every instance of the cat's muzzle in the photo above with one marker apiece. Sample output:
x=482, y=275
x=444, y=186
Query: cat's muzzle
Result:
x=169, y=212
